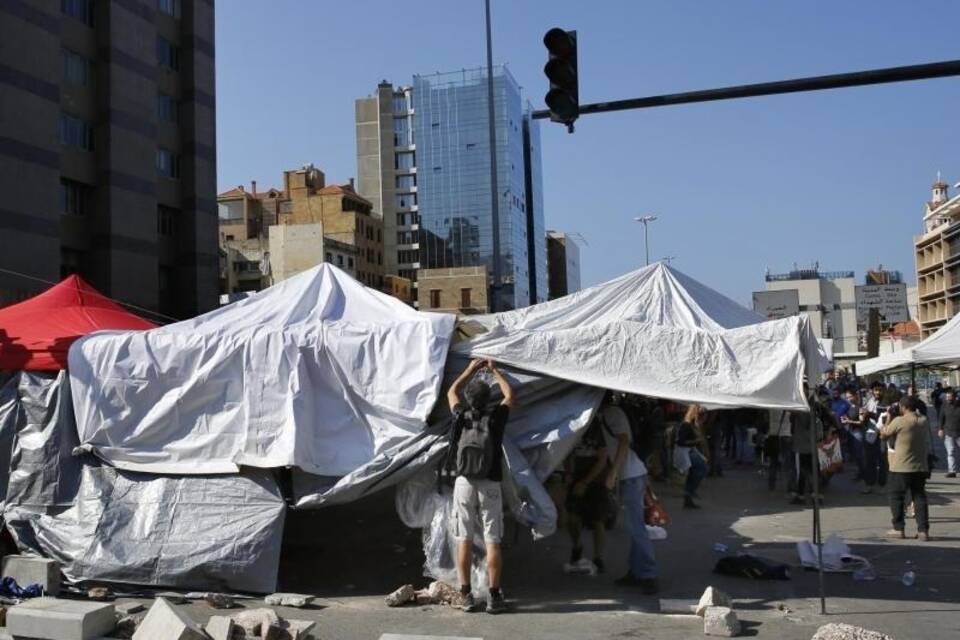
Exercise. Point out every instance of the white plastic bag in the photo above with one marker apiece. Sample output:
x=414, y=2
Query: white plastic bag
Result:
x=681, y=459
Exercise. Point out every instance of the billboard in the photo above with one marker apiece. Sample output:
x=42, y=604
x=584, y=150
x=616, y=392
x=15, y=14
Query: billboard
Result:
x=889, y=299
x=774, y=305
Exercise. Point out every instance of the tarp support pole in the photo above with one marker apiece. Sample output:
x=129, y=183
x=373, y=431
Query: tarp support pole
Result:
x=817, y=532
x=913, y=376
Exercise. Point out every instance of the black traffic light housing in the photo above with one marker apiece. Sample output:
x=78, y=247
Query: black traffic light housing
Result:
x=563, y=98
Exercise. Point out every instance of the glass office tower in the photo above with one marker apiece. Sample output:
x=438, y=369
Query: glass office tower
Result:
x=450, y=125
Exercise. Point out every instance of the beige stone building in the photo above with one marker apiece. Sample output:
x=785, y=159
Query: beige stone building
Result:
x=937, y=254
x=460, y=290
x=269, y=236
x=399, y=287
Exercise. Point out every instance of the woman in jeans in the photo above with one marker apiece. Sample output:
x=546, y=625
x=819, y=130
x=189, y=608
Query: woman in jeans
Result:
x=689, y=437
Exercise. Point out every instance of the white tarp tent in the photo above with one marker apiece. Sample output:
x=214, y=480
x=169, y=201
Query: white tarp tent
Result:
x=317, y=372
x=657, y=332
x=942, y=347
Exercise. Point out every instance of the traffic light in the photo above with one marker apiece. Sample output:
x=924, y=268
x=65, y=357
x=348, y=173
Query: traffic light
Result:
x=563, y=98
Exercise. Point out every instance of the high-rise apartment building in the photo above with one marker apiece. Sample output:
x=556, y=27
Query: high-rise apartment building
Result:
x=563, y=265
x=937, y=254
x=107, y=149
x=423, y=158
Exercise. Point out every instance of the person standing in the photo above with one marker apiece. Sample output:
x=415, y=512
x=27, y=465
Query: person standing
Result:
x=628, y=470
x=587, y=499
x=874, y=468
x=801, y=424
x=853, y=433
x=777, y=447
x=909, y=468
x=950, y=431
x=690, y=438
x=476, y=441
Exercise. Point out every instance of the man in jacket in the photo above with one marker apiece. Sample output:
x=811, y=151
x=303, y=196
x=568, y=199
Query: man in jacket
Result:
x=909, y=467
x=950, y=431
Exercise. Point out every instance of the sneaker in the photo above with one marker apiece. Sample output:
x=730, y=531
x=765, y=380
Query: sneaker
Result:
x=469, y=604
x=598, y=563
x=896, y=533
x=495, y=603
x=924, y=536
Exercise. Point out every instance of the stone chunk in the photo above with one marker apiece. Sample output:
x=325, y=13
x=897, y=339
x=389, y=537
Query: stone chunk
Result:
x=127, y=625
x=669, y=605
x=299, y=629
x=713, y=598
x=163, y=622
x=27, y=570
x=53, y=619
x=223, y=628
x=836, y=631
x=720, y=621
x=219, y=601
x=255, y=621
x=128, y=608
x=401, y=596
x=288, y=600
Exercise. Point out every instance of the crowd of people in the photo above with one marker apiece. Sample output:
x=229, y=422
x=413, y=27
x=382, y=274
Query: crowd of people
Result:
x=882, y=431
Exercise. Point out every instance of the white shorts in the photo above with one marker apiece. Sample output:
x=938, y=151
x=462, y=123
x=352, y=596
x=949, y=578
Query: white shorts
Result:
x=477, y=502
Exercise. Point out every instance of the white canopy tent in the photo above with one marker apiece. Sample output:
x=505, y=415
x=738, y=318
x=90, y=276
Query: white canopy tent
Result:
x=660, y=333
x=940, y=348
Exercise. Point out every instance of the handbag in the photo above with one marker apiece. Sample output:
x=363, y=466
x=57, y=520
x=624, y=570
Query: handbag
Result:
x=653, y=512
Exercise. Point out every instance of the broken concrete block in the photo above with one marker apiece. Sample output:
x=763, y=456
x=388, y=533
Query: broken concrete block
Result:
x=288, y=600
x=127, y=626
x=56, y=619
x=219, y=601
x=720, y=621
x=274, y=631
x=172, y=597
x=442, y=592
x=128, y=608
x=99, y=593
x=299, y=629
x=669, y=605
x=27, y=570
x=223, y=628
x=163, y=622
x=837, y=631
x=713, y=598
x=401, y=596
x=253, y=621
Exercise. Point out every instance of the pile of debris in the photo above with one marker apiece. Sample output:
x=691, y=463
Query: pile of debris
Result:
x=437, y=593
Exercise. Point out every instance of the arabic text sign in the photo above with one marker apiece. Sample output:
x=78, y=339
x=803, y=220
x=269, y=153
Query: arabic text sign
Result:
x=889, y=299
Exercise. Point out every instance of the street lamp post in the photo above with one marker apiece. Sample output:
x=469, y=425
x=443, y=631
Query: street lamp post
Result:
x=646, y=220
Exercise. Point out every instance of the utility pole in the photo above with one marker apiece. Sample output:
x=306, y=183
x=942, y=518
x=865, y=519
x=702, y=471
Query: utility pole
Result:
x=494, y=190
x=646, y=220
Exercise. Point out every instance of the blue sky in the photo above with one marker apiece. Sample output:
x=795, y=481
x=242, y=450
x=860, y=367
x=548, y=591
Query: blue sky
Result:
x=839, y=177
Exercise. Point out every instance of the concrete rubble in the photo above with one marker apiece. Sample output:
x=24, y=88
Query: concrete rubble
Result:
x=223, y=628
x=56, y=619
x=720, y=621
x=27, y=570
x=164, y=622
x=127, y=625
x=838, y=631
x=436, y=593
x=401, y=596
x=128, y=608
x=219, y=601
x=256, y=622
x=713, y=597
x=288, y=600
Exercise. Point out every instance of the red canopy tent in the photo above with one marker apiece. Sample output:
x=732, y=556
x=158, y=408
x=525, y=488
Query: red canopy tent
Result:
x=36, y=334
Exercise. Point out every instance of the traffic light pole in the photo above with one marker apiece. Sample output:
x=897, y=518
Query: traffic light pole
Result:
x=797, y=85
x=494, y=188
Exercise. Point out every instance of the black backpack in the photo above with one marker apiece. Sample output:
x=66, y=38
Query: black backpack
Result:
x=475, y=449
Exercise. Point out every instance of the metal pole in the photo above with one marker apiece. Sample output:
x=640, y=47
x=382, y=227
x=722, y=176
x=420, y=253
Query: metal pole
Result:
x=494, y=189
x=646, y=241
x=817, y=532
x=816, y=83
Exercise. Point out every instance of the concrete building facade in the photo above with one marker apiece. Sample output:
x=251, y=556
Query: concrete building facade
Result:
x=461, y=290
x=829, y=300
x=937, y=255
x=108, y=150
x=423, y=157
x=563, y=265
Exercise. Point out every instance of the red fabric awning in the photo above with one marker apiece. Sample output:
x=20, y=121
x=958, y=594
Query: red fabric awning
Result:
x=36, y=334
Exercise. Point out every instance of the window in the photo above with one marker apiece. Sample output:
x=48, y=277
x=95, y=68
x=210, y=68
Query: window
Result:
x=405, y=160
x=81, y=10
x=400, y=103
x=231, y=210
x=434, y=298
x=168, y=163
x=465, y=299
x=166, y=108
x=168, y=54
x=379, y=235
x=329, y=257
x=404, y=200
x=379, y=258
x=166, y=221
x=339, y=260
x=350, y=262
x=169, y=7
x=76, y=69
x=406, y=182
x=76, y=198
x=74, y=132
x=402, y=134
